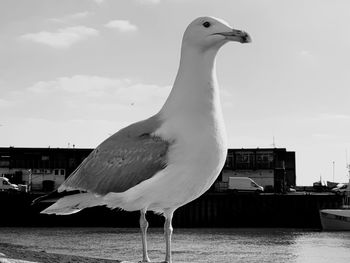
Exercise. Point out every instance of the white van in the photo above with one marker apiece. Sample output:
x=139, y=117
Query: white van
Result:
x=244, y=184
x=5, y=185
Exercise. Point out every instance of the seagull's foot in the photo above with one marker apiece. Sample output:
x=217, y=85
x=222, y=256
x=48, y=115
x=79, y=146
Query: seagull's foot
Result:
x=145, y=260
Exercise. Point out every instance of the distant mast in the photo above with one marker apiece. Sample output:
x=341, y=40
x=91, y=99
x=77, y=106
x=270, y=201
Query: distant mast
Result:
x=347, y=164
x=347, y=192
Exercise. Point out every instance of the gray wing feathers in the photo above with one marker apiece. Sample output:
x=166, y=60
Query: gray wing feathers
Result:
x=122, y=161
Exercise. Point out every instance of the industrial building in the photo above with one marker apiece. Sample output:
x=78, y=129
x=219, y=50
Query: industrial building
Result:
x=44, y=169
x=272, y=168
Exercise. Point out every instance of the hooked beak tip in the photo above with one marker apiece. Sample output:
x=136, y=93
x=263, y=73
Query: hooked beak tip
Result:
x=246, y=38
x=237, y=35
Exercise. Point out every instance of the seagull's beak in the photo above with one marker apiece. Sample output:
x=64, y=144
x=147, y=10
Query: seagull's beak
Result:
x=236, y=35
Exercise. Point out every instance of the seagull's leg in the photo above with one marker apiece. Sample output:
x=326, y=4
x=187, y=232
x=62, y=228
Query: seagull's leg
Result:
x=144, y=226
x=168, y=231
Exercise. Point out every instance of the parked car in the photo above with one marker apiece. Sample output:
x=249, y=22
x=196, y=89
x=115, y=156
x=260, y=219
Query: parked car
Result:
x=244, y=184
x=5, y=185
x=291, y=190
x=340, y=188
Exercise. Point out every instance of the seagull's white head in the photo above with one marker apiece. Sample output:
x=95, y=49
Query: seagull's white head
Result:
x=211, y=33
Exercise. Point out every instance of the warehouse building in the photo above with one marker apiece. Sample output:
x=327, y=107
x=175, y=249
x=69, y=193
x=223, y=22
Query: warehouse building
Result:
x=272, y=168
x=44, y=169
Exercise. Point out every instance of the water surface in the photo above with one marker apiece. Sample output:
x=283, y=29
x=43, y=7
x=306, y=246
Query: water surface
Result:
x=189, y=245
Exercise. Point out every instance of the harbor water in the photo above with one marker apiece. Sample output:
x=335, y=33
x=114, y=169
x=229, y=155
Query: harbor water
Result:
x=189, y=245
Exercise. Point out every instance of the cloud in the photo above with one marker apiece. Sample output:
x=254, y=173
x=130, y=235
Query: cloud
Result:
x=90, y=85
x=153, y=2
x=329, y=116
x=122, y=91
x=5, y=103
x=71, y=17
x=122, y=25
x=305, y=53
x=156, y=2
x=62, y=38
x=99, y=2
x=149, y=1
x=90, y=97
x=80, y=15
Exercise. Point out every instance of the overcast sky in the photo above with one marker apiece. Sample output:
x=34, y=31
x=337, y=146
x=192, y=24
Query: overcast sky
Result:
x=75, y=72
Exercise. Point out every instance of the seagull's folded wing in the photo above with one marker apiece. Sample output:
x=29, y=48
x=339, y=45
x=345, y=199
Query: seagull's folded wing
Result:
x=124, y=160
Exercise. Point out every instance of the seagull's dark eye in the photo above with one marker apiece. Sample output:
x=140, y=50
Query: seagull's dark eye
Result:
x=206, y=24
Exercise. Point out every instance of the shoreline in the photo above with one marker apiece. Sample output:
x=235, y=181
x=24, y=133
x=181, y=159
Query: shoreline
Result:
x=18, y=252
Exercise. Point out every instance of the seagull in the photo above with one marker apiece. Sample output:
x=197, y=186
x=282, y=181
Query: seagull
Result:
x=168, y=160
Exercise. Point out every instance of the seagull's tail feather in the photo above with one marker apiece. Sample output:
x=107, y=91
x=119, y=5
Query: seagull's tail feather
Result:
x=74, y=203
x=117, y=200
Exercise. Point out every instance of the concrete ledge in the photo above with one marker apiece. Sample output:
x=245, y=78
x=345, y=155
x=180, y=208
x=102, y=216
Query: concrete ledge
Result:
x=11, y=260
x=10, y=253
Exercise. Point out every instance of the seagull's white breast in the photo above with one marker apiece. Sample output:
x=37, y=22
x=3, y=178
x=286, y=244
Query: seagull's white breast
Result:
x=196, y=157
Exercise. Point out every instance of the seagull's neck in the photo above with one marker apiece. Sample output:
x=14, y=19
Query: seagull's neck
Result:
x=195, y=88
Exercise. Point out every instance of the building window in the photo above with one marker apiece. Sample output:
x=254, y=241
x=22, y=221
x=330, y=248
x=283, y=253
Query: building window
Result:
x=264, y=160
x=244, y=160
x=45, y=158
x=56, y=171
x=4, y=163
x=62, y=172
